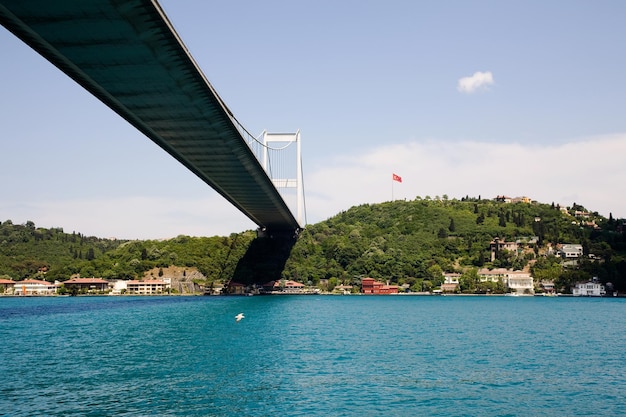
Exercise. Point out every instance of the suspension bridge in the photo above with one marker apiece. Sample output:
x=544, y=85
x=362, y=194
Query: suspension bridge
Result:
x=128, y=55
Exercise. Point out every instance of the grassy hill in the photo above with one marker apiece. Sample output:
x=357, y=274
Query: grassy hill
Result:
x=402, y=242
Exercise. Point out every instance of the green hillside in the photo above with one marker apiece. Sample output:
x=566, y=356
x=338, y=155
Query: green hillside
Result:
x=402, y=242
x=412, y=242
x=51, y=254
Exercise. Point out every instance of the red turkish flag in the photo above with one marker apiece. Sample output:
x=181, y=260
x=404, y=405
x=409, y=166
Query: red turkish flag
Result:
x=396, y=177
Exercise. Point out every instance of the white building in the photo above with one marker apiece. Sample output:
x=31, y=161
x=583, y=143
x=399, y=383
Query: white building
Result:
x=569, y=251
x=147, y=287
x=34, y=287
x=450, y=282
x=493, y=275
x=119, y=287
x=589, y=289
x=520, y=282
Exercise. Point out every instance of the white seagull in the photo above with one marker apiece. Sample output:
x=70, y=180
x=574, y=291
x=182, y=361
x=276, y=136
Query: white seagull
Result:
x=239, y=316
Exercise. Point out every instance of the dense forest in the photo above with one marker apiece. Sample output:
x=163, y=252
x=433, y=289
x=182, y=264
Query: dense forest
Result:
x=400, y=242
x=413, y=242
x=51, y=254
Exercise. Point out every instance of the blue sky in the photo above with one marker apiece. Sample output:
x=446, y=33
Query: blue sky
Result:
x=457, y=97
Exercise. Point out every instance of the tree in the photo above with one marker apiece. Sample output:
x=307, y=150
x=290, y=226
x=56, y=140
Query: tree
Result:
x=501, y=220
x=468, y=281
x=435, y=275
x=546, y=269
x=452, y=226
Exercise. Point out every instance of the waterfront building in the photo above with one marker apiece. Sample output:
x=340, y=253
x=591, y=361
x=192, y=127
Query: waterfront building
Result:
x=6, y=286
x=343, y=289
x=34, y=287
x=236, y=288
x=547, y=287
x=284, y=286
x=493, y=275
x=147, y=287
x=589, y=289
x=520, y=282
x=371, y=286
x=293, y=286
x=118, y=287
x=450, y=282
x=90, y=285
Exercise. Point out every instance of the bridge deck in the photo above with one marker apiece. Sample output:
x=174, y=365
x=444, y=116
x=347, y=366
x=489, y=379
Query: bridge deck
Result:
x=129, y=56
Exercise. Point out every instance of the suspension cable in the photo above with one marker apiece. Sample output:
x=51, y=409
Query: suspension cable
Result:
x=269, y=157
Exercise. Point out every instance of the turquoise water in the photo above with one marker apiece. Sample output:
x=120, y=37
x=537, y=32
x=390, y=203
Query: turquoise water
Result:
x=312, y=356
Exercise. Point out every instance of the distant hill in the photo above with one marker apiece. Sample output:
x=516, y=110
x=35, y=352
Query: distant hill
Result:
x=401, y=242
x=52, y=254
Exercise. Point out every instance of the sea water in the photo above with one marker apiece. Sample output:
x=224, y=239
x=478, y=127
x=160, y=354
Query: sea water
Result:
x=312, y=356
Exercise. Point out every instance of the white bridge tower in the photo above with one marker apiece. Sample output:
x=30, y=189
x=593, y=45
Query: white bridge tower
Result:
x=281, y=175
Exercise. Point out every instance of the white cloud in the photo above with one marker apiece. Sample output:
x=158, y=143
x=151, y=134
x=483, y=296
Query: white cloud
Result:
x=563, y=174
x=475, y=82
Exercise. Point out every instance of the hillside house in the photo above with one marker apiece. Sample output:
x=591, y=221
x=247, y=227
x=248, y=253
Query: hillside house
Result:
x=505, y=199
x=571, y=251
x=497, y=245
x=527, y=240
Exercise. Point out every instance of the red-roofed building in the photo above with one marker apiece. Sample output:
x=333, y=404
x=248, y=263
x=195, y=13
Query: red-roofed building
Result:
x=287, y=286
x=6, y=286
x=371, y=286
x=34, y=287
x=87, y=284
x=293, y=285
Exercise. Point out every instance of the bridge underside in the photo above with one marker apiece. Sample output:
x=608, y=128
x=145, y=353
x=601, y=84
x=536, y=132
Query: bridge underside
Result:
x=128, y=55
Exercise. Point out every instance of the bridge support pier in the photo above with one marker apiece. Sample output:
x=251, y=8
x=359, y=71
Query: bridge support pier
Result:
x=266, y=257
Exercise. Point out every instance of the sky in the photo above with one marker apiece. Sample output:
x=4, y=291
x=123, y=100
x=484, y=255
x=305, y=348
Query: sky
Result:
x=458, y=98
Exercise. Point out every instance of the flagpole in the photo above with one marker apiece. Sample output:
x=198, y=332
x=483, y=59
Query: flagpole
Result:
x=394, y=177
